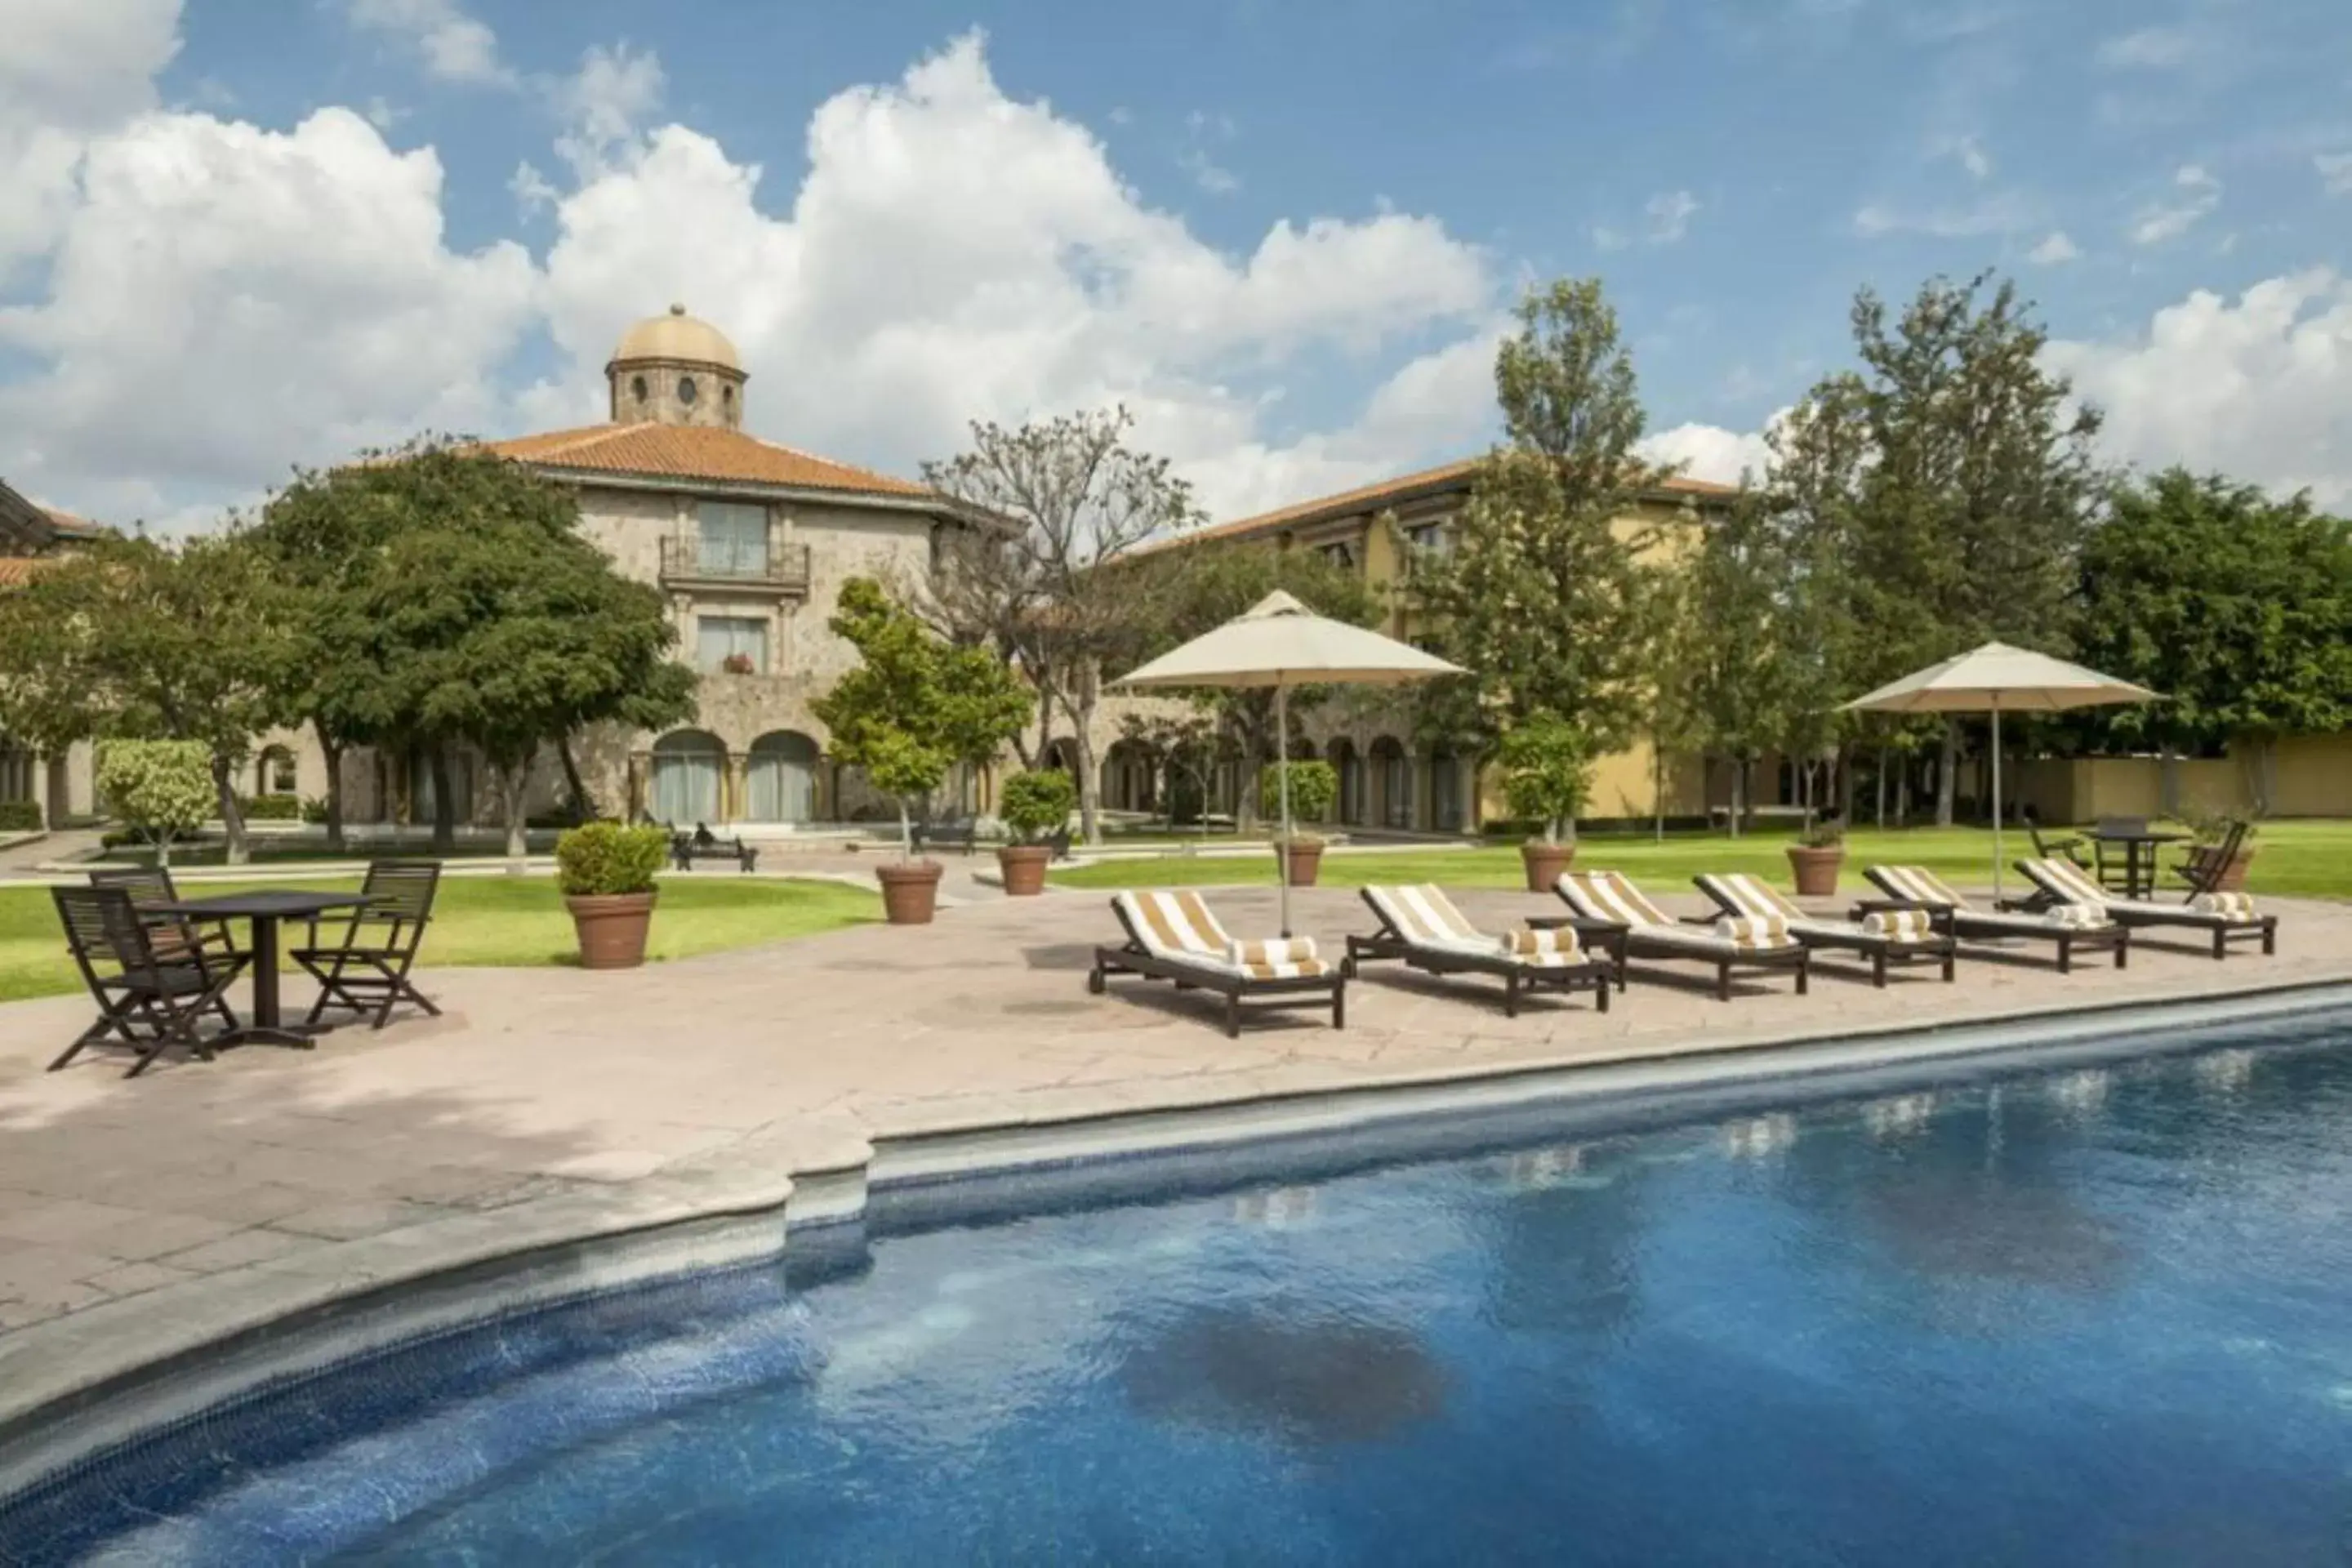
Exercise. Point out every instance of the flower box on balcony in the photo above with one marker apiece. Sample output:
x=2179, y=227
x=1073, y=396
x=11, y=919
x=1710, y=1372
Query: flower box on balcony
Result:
x=738, y=664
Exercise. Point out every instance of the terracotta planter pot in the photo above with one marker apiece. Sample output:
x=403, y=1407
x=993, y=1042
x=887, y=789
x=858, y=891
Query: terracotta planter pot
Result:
x=1305, y=861
x=612, y=928
x=911, y=891
x=1545, y=862
x=1816, y=870
x=1024, y=866
x=2234, y=876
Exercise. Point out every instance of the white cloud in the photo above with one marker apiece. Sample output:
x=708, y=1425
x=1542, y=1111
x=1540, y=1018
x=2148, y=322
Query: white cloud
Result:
x=2149, y=48
x=2260, y=387
x=2001, y=212
x=2056, y=250
x=1969, y=153
x=2196, y=194
x=227, y=300
x=71, y=70
x=454, y=45
x=1711, y=452
x=1670, y=213
x=603, y=104
x=2335, y=170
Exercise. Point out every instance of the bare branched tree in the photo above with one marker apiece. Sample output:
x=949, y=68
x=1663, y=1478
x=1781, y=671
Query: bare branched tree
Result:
x=1069, y=500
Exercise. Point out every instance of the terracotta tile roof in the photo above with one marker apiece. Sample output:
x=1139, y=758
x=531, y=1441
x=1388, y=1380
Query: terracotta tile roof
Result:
x=696, y=452
x=1388, y=492
x=16, y=571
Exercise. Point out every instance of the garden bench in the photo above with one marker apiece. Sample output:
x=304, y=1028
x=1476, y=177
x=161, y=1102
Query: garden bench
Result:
x=684, y=851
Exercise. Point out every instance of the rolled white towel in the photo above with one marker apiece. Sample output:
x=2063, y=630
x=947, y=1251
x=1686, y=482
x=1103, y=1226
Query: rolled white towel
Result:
x=1754, y=931
x=1282, y=951
x=1539, y=945
x=1900, y=925
x=2229, y=906
x=2075, y=917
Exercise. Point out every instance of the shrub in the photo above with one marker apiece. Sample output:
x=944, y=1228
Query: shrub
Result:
x=20, y=817
x=603, y=857
x=1829, y=833
x=1314, y=790
x=1547, y=773
x=164, y=789
x=1038, y=802
x=270, y=807
x=314, y=810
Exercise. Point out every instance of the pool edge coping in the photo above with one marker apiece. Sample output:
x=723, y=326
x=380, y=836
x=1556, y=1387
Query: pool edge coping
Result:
x=580, y=1242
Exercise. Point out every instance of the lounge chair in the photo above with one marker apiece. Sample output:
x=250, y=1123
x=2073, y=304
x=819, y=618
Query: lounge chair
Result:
x=1884, y=936
x=1728, y=943
x=1916, y=888
x=146, y=1000
x=2225, y=917
x=1421, y=926
x=1171, y=935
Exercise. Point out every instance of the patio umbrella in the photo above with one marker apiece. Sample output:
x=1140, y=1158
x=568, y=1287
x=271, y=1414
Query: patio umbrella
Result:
x=1281, y=643
x=1997, y=678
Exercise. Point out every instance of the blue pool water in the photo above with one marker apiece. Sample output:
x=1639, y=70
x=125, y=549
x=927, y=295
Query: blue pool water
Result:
x=2096, y=1315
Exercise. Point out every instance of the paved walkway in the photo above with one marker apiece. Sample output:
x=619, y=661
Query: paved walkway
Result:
x=558, y=1091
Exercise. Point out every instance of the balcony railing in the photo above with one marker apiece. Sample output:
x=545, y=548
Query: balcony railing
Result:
x=785, y=569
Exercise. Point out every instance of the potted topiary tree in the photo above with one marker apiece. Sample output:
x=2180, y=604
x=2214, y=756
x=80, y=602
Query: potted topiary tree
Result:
x=161, y=790
x=1547, y=774
x=1035, y=804
x=1313, y=787
x=912, y=708
x=606, y=870
x=1815, y=856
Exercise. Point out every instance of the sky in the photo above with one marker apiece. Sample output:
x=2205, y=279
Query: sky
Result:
x=237, y=236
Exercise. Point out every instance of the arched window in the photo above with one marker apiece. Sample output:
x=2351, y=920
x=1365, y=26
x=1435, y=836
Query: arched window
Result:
x=1392, y=781
x=274, y=772
x=1349, y=766
x=686, y=768
x=779, y=778
x=686, y=390
x=1445, y=792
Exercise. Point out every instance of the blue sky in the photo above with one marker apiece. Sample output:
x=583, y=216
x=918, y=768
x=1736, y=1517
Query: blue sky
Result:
x=2172, y=181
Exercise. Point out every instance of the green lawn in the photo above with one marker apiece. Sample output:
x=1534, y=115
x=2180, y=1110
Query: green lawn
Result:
x=497, y=922
x=2303, y=858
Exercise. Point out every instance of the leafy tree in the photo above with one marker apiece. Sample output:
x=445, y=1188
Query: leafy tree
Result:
x=162, y=789
x=1731, y=650
x=1067, y=499
x=1037, y=802
x=1976, y=488
x=1314, y=789
x=1547, y=766
x=1183, y=593
x=1541, y=596
x=916, y=704
x=1181, y=744
x=133, y=639
x=2236, y=606
x=453, y=601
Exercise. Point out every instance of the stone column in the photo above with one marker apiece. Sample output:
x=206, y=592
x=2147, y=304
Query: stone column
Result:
x=732, y=800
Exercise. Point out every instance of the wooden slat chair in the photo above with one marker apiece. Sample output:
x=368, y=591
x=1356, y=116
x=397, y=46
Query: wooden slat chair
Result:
x=2224, y=917
x=146, y=1001
x=1917, y=887
x=2202, y=870
x=1885, y=936
x=1172, y=935
x=1421, y=926
x=1726, y=944
x=2069, y=848
x=175, y=938
x=367, y=971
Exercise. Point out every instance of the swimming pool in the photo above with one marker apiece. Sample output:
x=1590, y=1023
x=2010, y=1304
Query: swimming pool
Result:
x=2098, y=1315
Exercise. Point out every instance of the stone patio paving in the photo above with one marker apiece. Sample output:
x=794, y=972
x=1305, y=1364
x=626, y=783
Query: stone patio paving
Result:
x=555, y=1092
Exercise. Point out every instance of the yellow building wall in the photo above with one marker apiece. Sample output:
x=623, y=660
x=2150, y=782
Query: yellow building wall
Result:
x=2313, y=778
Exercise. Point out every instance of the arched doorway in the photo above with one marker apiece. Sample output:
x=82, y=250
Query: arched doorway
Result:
x=273, y=772
x=1130, y=780
x=688, y=766
x=1349, y=766
x=779, y=778
x=1392, y=784
x=1445, y=792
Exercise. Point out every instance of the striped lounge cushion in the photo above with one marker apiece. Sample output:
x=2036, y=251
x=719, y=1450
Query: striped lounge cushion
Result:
x=1607, y=895
x=1742, y=894
x=2065, y=879
x=1425, y=917
x=1917, y=884
x=1175, y=923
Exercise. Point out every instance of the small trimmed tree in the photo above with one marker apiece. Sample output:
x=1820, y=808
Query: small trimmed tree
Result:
x=1547, y=766
x=1314, y=788
x=916, y=704
x=1038, y=802
x=162, y=789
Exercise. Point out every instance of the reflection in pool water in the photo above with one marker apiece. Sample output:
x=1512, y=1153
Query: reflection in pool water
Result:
x=2083, y=1318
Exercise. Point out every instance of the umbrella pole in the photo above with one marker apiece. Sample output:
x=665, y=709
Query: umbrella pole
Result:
x=1996, y=802
x=1282, y=850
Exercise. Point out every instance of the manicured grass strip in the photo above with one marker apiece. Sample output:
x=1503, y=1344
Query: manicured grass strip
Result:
x=495, y=922
x=2307, y=858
